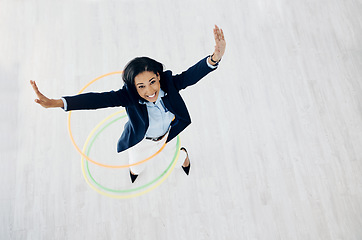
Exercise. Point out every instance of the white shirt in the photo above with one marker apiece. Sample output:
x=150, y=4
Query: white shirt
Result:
x=159, y=117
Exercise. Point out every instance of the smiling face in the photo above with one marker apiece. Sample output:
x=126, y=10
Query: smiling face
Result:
x=148, y=85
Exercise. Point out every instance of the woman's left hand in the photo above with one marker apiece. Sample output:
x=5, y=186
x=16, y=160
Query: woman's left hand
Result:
x=220, y=44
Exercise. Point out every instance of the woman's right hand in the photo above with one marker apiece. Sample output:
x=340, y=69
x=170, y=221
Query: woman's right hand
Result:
x=43, y=100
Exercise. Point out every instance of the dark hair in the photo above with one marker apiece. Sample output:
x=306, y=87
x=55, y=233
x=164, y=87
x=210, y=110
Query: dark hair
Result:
x=139, y=65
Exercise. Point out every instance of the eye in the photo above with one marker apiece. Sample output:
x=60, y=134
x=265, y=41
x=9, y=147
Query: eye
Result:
x=141, y=86
x=152, y=82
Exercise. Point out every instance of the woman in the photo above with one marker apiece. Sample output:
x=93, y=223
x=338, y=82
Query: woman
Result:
x=156, y=111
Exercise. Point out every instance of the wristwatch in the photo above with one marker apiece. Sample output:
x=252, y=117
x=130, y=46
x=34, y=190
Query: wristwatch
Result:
x=213, y=60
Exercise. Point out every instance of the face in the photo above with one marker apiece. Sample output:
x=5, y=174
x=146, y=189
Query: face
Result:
x=148, y=85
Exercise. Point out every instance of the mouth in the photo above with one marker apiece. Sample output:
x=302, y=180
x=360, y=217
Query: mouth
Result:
x=151, y=96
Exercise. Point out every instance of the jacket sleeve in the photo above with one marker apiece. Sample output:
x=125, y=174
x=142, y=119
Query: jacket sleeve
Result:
x=92, y=100
x=192, y=75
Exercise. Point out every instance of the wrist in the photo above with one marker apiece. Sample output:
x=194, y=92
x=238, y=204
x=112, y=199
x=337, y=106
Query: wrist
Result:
x=210, y=62
x=58, y=103
x=214, y=59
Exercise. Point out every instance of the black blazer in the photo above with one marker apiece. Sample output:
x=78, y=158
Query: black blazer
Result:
x=137, y=125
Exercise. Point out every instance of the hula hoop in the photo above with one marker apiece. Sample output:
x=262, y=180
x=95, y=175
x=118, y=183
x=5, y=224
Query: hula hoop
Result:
x=87, y=149
x=83, y=154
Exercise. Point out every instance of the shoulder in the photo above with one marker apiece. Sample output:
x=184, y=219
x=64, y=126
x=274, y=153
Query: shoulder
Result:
x=167, y=74
x=166, y=80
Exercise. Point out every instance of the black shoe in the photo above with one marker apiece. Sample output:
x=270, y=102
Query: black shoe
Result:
x=133, y=176
x=186, y=169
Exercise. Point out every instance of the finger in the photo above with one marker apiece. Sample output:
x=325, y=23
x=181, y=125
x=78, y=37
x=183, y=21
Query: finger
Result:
x=33, y=84
x=219, y=35
x=216, y=35
x=40, y=102
x=37, y=92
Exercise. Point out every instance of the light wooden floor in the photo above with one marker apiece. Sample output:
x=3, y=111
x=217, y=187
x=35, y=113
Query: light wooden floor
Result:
x=276, y=137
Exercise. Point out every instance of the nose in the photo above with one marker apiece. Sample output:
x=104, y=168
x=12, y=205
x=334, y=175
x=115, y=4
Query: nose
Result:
x=149, y=90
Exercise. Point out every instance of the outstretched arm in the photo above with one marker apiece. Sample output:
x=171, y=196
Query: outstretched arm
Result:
x=201, y=69
x=85, y=101
x=220, y=46
x=43, y=100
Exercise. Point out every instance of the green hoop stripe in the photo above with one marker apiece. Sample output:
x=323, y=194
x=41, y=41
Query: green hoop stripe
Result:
x=89, y=147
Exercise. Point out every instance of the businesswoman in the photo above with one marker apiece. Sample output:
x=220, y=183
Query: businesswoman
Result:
x=150, y=95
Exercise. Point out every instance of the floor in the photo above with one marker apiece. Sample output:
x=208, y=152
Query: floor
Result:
x=275, y=143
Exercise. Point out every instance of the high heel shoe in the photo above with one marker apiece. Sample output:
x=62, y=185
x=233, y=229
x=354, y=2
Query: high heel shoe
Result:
x=133, y=176
x=186, y=169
